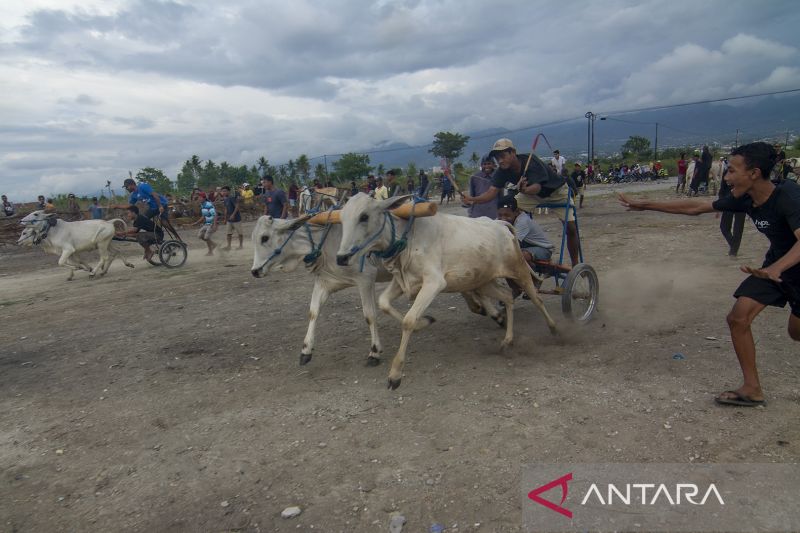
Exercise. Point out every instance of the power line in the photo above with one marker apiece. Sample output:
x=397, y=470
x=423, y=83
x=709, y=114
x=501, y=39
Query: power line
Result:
x=670, y=106
x=566, y=120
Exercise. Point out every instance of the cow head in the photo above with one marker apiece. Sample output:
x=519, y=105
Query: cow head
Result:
x=365, y=225
x=36, y=225
x=274, y=249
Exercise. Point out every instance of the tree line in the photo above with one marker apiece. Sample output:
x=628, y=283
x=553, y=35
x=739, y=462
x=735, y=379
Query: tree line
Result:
x=349, y=167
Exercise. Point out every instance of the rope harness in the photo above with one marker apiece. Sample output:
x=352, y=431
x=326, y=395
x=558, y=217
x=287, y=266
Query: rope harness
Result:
x=396, y=246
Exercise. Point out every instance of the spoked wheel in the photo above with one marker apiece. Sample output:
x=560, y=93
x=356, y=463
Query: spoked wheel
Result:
x=581, y=291
x=172, y=254
x=155, y=259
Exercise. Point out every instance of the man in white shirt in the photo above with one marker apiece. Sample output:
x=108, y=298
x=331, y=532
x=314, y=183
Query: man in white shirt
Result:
x=558, y=161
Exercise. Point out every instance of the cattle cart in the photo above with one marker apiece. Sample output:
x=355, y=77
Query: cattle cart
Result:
x=168, y=248
x=577, y=285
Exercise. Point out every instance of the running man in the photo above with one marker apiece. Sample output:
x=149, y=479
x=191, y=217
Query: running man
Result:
x=775, y=211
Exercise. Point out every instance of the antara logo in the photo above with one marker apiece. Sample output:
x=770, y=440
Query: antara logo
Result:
x=628, y=494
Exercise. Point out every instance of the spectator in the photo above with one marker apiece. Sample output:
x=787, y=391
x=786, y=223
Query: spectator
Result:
x=381, y=191
x=195, y=196
x=371, y=183
x=49, y=205
x=559, y=162
x=410, y=185
x=691, y=170
x=144, y=229
x=258, y=190
x=391, y=183
x=682, y=167
x=8, y=207
x=276, y=204
x=73, y=208
x=479, y=183
x=95, y=211
x=446, y=188
x=247, y=195
x=579, y=177
x=353, y=188
x=423, y=184
x=731, y=223
x=233, y=217
x=701, y=173
x=41, y=203
x=208, y=217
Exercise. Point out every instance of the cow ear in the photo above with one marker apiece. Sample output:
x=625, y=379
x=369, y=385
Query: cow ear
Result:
x=395, y=201
x=296, y=223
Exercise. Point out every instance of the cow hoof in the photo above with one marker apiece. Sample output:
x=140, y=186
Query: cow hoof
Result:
x=373, y=361
x=394, y=383
x=430, y=319
x=305, y=358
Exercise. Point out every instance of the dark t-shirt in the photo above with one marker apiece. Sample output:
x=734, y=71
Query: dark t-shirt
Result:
x=230, y=207
x=579, y=176
x=275, y=200
x=778, y=218
x=538, y=172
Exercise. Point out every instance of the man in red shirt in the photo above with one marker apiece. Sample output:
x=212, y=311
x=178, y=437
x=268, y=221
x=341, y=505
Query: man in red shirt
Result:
x=682, y=165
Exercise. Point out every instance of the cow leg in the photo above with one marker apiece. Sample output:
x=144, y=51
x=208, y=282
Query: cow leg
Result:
x=494, y=291
x=116, y=252
x=392, y=293
x=66, y=261
x=366, y=289
x=524, y=280
x=318, y=297
x=430, y=288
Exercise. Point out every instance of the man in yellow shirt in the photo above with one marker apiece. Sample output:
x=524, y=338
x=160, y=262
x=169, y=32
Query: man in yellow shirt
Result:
x=247, y=194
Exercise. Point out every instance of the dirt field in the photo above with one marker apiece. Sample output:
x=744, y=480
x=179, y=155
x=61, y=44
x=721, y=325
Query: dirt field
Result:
x=172, y=400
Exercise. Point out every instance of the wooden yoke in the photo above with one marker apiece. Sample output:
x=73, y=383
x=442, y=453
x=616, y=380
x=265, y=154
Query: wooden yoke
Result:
x=423, y=209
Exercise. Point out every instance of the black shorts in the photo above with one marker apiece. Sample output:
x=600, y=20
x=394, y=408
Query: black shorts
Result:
x=767, y=292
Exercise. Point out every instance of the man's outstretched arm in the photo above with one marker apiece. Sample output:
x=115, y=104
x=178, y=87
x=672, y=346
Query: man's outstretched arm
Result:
x=676, y=207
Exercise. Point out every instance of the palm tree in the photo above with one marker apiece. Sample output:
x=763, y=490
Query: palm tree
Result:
x=475, y=159
x=303, y=166
x=263, y=165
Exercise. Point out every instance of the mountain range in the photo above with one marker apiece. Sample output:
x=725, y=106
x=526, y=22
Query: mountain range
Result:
x=763, y=118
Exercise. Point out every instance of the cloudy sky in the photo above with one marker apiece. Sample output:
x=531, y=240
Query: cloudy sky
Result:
x=92, y=89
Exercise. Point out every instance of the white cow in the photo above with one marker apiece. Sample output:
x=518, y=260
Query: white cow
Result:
x=444, y=253
x=312, y=199
x=283, y=245
x=68, y=239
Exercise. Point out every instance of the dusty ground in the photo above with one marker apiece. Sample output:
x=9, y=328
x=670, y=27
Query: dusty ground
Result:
x=158, y=400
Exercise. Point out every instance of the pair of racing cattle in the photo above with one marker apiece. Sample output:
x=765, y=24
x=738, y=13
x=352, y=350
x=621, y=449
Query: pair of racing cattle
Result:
x=419, y=256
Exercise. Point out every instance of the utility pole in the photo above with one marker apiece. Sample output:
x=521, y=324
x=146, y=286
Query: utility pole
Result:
x=737, y=138
x=590, y=136
x=656, y=144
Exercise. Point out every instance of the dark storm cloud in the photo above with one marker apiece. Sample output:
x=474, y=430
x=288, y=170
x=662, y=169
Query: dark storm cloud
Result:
x=383, y=70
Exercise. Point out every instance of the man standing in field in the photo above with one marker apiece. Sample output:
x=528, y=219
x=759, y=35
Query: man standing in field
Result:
x=558, y=161
x=95, y=211
x=579, y=177
x=233, y=217
x=682, y=167
x=775, y=211
x=276, y=204
x=479, y=183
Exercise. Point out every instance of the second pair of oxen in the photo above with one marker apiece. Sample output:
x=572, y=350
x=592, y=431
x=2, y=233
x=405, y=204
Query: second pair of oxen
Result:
x=444, y=253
